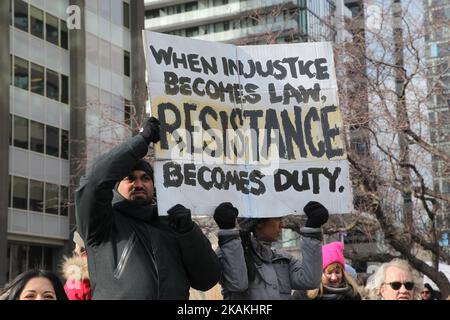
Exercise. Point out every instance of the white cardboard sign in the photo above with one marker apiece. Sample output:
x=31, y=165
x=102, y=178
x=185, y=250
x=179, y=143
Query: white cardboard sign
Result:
x=257, y=126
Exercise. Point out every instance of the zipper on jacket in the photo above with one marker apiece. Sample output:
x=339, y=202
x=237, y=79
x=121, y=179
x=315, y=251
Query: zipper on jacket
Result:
x=125, y=255
x=155, y=265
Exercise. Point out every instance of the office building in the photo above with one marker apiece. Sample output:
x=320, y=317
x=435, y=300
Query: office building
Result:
x=75, y=71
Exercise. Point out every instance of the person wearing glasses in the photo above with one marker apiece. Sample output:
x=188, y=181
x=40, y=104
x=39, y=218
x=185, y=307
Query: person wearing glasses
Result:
x=394, y=280
x=428, y=292
x=75, y=271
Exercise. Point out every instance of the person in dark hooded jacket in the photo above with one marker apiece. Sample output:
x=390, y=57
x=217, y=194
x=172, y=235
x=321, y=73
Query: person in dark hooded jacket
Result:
x=428, y=293
x=132, y=252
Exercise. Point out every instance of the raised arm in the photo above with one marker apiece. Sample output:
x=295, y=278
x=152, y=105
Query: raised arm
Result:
x=94, y=195
x=199, y=259
x=231, y=252
x=306, y=274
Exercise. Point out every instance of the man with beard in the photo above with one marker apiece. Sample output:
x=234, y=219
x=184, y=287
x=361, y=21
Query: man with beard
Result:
x=132, y=252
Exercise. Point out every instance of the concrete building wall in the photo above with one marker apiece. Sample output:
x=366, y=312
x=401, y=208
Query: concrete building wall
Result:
x=438, y=58
x=4, y=132
x=138, y=85
x=93, y=65
x=77, y=112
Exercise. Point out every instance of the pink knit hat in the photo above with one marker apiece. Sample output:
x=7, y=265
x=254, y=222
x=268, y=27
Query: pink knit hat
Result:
x=333, y=253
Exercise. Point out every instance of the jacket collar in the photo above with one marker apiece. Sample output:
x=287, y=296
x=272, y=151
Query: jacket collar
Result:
x=263, y=249
x=334, y=293
x=144, y=212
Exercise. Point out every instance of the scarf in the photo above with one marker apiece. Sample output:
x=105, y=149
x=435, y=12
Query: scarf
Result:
x=136, y=210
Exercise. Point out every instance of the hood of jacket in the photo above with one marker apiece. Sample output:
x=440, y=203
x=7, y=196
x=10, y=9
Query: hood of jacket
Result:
x=75, y=268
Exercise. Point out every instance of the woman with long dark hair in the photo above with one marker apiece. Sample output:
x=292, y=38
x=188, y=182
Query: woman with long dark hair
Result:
x=34, y=285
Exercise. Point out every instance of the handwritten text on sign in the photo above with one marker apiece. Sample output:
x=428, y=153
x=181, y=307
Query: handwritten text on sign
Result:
x=258, y=126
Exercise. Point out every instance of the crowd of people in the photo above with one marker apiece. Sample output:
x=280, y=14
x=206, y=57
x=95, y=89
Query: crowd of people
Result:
x=125, y=250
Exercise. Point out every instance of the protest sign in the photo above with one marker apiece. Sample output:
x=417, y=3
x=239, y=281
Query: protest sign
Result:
x=257, y=126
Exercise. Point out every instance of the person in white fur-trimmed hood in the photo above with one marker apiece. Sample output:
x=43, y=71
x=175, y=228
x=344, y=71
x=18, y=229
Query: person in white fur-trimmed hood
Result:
x=75, y=271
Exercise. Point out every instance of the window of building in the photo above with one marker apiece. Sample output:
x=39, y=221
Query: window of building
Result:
x=37, y=22
x=126, y=14
x=64, y=35
x=37, y=79
x=220, y=2
x=25, y=257
x=10, y=12
x=52, y=85
x=36, y=258
x=64, y=89
x=192, y=32
x=51, y=29
x=21, y=15
x=21, y=73
x=52, y=141
x=126, y=63
x=36, y=195
x=10, y=129
x=64, y=201
x=20, y=132
x=10, y=188
x=36, y=137
x=64, y=144
x=51, y=198
x=127, y=112
x=218, y=27
x=151, y=14
x=20, y=193
x=11, y=73
x=190, y=6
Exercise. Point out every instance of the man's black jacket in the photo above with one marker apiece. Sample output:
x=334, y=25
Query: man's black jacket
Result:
x=132, y=252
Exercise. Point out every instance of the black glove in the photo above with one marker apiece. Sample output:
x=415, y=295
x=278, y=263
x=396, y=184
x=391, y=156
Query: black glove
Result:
x=225, y=215
x=180, y=219
x=150, y=130
x=317, y=214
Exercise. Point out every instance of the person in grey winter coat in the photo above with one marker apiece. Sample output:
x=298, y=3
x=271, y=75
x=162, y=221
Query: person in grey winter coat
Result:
x=252, y=270
x=132, y=252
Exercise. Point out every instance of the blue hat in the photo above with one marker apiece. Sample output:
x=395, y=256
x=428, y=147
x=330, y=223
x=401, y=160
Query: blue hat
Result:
x=351, y=271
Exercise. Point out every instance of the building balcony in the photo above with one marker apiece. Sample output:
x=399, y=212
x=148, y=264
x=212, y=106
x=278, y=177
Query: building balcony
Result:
x=208, y=15
x=153, y=4
x=38, y=224
x=230, y=35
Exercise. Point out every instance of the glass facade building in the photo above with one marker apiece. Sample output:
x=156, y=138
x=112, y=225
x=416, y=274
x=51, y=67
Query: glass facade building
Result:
x=64, y=85
x=244, y=22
